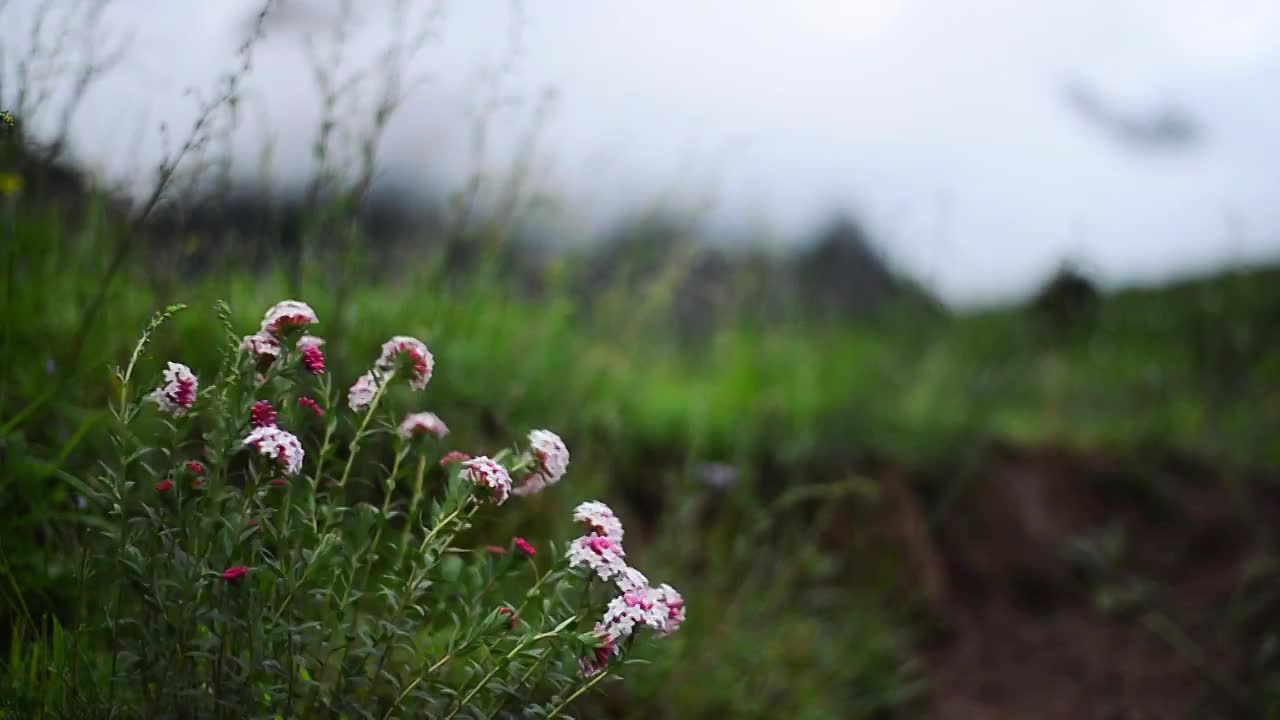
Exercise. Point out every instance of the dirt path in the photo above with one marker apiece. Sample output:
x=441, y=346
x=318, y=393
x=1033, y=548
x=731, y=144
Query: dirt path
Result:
x=1081, y=588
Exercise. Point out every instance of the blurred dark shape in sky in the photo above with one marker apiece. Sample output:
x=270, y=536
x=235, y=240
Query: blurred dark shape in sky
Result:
x=1165, y=128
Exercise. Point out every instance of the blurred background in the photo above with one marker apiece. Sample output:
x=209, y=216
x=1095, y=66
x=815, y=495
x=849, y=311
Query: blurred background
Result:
x=930, y=349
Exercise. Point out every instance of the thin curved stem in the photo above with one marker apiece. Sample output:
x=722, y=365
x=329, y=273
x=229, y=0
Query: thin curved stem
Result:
x=600, y=676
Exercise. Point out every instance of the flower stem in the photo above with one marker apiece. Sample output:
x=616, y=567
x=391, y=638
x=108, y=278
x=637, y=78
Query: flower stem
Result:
x=418, y=680
x=383, y=384
x=600, y=676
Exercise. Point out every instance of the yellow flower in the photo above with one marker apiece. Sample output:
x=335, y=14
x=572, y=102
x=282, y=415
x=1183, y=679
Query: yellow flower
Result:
x=10, y=184
x=6, y=120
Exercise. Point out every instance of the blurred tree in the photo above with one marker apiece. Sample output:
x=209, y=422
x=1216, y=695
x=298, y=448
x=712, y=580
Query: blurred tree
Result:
x=1068, y=302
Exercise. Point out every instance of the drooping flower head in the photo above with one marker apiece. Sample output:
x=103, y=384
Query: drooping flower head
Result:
x=423, y=423
x=599, y=519
x=262, y=414
x=486, y=472
x=552, y=455
x=360, y=396
x=195, y=467
x=604, y=556
x=287, y=316
x=235, y=573
x=263, y=347
x=410, y=354
x=178, y=394
x=312, y=356
x=279, y=445
x=164, y=486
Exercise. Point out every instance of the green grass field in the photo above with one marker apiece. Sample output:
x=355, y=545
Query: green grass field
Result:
x=797, y=405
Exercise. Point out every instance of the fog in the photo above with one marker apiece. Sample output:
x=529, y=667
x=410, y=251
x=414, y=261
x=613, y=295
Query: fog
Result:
x=983, y=143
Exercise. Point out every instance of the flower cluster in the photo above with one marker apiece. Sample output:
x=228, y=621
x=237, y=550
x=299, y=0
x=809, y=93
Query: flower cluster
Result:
x=307, y=527
x=288, y=315
x=411, y=354
x=488, y=473
x=281, y=320
x=660, y=609
x=178, y=394
x=279, y=445
x=550, y=458
x=400, y=355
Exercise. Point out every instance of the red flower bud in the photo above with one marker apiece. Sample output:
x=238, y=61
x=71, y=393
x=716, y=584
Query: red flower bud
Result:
x=524, y=546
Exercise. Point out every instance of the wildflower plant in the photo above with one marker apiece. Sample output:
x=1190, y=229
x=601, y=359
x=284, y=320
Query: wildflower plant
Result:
x=244, y=562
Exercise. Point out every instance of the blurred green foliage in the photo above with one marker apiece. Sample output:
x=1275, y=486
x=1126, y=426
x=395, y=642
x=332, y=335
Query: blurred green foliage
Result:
x=773, y=630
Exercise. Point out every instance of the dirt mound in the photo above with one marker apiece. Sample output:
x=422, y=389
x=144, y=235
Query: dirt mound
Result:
x=1084, y=586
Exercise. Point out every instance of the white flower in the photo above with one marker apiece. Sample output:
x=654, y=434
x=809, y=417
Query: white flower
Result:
x=307, y=341
x=361, y=394
x=602, y=555
x=486, y=472
x=423, y=423
x=262, y=346
x=673, y=603
x=644, y=606
x=279, y=445
x=620, y=619
x=631, y=580
x=288, y=314
x=599, y=519
x=178, y=394
x=417, y=358
x=551, y=453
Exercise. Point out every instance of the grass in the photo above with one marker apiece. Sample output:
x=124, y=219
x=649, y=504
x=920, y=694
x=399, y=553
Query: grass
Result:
x=773, y=628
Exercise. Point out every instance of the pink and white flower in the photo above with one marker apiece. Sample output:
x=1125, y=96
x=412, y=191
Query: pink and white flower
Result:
x=670, y=599
x=423, y=423
x=279, y=445
x=487, y=472
x=410, y=353
x=604, y=556
x=312, y=356
x=178, y=394
x=288, y=315
x=599, y=519
x=263, y=346
x=551, y=454
x=631, y=580
x=361, y=394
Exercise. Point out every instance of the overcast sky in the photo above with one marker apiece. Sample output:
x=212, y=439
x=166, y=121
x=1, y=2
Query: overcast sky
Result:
x=946, y=126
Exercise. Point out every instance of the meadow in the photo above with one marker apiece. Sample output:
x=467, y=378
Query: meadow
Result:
x=820, y=486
